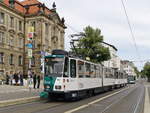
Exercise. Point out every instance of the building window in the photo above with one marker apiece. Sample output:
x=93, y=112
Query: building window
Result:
x=46, y=29
x=1, y=58
x=2, y=18
x=20, y=25
x=1, y=37
x=2, y=73
x=12, y=22
x=33, y=25
x=11, y=41
x=20, y=60
x=20, y=42
x=11, y=59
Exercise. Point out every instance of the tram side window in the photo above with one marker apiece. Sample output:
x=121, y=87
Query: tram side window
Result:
x=109, y=73
x=100, y=68
x=72, y=68
x=97, y=71
x=121, y=75
x=66, y=68
x=112, y=73
x=92, y=72
x=80, y=69
x=116, y=74
x=106, y=73
x=87, y=70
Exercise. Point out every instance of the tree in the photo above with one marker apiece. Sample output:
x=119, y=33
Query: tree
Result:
x=90, y=45
x=136, y=71
x=146, y=70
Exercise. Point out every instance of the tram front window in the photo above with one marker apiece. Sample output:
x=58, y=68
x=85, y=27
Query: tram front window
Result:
x=54, y=67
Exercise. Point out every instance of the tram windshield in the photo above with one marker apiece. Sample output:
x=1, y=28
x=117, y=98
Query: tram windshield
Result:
x=54, y=66
x=132, y=78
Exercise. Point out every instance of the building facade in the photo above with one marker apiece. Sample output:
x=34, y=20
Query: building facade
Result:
x=16, y=18
x=128, y=67
x=114, y=62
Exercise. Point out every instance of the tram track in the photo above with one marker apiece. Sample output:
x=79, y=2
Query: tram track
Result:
x=45, y=106
x=107, y=102
x=80, y=105
x=134, y=105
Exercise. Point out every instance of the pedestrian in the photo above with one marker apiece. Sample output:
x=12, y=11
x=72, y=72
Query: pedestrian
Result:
x=34, y=80
x=7, y=78
x=11, y=78
x=16, y=78
x=30, y=80
x=21, y=78
x=38, y=81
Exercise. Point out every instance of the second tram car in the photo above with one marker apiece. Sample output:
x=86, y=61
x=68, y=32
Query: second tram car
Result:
x=131, y=79
x=70, y=77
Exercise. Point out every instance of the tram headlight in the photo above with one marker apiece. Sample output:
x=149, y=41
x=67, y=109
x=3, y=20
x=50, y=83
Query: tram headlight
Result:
x=47, y=86
x=57, y=87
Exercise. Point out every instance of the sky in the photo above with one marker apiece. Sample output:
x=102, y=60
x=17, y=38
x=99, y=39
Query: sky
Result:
x=109, y=16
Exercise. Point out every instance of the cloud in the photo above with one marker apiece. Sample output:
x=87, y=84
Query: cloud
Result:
x=109, y=16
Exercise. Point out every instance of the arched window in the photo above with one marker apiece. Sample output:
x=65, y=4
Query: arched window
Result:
x=1, y=58
x=20, y=60
x=2, y=17
x=2, y=37
x=11, y=59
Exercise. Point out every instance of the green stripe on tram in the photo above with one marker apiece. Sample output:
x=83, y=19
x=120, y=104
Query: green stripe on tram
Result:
x=50, y=81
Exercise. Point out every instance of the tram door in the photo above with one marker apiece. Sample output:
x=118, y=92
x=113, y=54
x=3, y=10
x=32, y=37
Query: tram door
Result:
x=73, y=75
x=72, y=68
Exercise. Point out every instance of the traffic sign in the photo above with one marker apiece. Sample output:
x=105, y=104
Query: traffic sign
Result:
x=30, y=35
x=30, y=29
x=29, y=53
x=29, y=45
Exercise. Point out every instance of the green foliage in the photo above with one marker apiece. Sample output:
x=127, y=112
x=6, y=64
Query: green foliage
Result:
x=91, y=46
x=136, y=71
x=146, y=70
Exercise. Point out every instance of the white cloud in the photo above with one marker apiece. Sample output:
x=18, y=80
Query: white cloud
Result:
x=109, y=16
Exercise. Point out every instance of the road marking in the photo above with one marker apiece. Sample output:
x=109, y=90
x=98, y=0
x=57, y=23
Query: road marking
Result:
x=95, y=101
x=138, y=103
x=147, y=103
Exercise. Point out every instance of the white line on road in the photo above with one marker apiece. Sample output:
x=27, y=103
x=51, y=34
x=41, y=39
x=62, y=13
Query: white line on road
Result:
x=95, y=101
x=138, y=103
x=147, y=103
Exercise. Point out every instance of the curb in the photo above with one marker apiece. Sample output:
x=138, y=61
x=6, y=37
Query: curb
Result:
x=19, y=101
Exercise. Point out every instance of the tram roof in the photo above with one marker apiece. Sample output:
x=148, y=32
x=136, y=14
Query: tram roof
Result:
x=55, y=56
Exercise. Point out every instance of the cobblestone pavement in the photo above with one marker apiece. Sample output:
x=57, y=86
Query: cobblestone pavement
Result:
x=10, y=92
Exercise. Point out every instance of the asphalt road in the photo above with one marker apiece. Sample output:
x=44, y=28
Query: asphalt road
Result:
x=125, y=100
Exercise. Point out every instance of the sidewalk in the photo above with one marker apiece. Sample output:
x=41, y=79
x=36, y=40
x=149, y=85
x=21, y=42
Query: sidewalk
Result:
x=147, y=98
x=11, y=93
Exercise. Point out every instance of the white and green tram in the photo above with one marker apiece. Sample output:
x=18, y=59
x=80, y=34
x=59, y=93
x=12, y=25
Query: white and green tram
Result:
x=70, y=77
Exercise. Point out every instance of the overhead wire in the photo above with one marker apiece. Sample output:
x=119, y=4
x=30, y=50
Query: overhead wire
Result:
x=132, y=34
x=131, y=30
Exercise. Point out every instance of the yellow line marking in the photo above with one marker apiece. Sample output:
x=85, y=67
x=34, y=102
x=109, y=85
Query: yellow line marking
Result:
x=147, y=103
x=93, y=102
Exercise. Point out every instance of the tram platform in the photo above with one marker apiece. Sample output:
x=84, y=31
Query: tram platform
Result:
x=11, y=94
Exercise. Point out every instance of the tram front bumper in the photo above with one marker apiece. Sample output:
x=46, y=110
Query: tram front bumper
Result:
x=62, y=94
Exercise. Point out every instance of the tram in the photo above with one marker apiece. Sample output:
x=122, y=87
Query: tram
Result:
x=73, y=78
x=131, y=79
